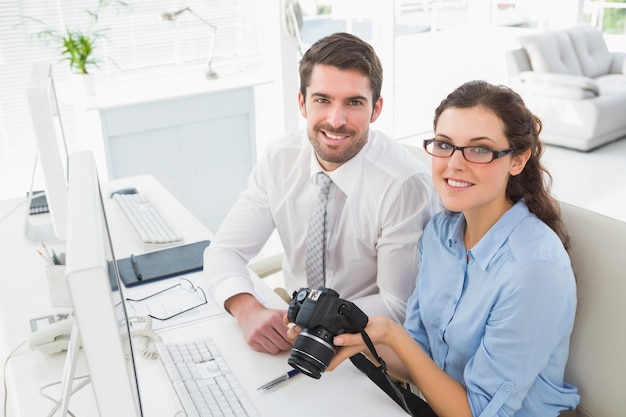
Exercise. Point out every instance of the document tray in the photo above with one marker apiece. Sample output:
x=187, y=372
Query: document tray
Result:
x=162, y=264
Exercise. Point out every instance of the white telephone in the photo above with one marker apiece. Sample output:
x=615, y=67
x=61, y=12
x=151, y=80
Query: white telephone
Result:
x=50, y=336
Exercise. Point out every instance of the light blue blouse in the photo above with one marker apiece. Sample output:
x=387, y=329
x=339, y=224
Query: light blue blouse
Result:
x=500, y=322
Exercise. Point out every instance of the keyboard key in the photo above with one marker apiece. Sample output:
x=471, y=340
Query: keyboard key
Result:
x=146, y=219
x=203, y=380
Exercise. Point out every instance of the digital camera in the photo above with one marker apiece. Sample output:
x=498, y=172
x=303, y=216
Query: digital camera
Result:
x=322, y=315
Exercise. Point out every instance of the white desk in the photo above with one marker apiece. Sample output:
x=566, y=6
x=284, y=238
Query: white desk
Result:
x=23, y=295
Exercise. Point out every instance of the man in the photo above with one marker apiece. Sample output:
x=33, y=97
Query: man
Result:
x=379, y=201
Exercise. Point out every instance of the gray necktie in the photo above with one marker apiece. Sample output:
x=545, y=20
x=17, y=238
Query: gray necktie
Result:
x=316, y=236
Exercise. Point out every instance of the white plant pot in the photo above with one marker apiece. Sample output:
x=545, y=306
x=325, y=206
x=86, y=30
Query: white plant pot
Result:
x=83, y=84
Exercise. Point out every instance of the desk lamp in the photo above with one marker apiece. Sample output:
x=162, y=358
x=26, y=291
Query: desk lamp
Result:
x=172, y=16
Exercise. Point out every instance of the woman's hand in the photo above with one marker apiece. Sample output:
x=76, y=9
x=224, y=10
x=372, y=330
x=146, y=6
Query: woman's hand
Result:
x=378, y=329
x=353, y=343
x=350, y=344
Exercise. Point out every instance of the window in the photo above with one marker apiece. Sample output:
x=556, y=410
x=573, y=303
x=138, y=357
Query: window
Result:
x=609, y=16
x=136, y=39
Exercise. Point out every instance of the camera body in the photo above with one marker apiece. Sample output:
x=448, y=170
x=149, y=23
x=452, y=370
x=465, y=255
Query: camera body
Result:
x=322, y=314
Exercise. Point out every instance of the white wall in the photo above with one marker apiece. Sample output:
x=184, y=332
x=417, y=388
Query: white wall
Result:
x=421, y=69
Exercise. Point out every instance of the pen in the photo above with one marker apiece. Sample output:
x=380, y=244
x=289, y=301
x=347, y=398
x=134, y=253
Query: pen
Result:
x=279, y=380
x=45, y=258
x=47, y=252
x=133, y=262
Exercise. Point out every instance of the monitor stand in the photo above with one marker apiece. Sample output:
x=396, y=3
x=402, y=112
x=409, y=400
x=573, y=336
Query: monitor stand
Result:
x=38, y=228
x=67, y=383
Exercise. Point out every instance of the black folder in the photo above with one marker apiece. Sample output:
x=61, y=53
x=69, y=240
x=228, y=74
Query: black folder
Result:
x=161, y=264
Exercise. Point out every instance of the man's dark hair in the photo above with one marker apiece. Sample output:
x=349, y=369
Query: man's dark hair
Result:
x=346, y=52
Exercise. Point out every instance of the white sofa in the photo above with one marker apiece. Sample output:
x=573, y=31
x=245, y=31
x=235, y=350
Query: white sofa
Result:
x=577, y=87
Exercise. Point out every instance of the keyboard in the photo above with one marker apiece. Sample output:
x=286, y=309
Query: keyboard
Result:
x=203, y=380
x=146, y=219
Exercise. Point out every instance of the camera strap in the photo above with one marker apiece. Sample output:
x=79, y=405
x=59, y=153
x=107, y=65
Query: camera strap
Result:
x=410, y=402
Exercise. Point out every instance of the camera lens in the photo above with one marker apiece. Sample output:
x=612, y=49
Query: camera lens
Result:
x=312, y=352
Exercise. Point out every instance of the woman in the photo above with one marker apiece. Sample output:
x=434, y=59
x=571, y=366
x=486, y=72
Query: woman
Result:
x=488, y=326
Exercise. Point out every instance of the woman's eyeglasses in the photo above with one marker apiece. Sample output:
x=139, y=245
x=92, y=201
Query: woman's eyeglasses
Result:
x=474, y=154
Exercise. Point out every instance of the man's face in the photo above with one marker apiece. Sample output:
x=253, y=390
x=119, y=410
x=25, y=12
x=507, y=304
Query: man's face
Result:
x=338, y=108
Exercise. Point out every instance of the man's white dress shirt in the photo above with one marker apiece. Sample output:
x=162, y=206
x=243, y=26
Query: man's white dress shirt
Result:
x=379, y=202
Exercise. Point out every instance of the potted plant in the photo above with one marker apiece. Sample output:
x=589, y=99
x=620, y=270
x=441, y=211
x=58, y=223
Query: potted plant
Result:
x=77, y=45
x=78, y=49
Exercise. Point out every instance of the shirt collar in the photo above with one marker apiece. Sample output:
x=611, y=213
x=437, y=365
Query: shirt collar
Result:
x=349, y=174
x=487, y=247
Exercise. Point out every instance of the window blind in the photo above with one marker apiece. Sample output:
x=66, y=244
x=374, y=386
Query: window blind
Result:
x=136, y=38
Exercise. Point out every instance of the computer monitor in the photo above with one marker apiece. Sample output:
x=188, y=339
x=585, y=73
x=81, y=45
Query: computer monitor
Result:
x=52, y=152
x=98, y=305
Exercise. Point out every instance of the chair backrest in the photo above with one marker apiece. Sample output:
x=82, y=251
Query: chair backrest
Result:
x=597, y=362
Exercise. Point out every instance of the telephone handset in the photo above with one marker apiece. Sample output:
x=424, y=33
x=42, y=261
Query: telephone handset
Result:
x=52, y=337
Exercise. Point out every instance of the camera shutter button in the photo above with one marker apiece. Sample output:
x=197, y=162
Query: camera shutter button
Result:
x=302, y=296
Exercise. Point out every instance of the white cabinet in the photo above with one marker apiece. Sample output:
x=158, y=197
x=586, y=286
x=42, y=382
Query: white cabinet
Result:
x=198, y=142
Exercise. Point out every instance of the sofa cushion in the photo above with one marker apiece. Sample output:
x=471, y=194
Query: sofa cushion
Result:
x=618, y=63
x=551, y=51
x=566, y=86
x=590, y=47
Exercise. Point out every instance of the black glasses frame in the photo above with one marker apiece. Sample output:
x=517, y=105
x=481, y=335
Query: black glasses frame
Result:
x=187, y=287
x=494, y=154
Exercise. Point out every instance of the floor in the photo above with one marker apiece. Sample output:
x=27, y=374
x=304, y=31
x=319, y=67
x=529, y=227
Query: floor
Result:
x=594, y=180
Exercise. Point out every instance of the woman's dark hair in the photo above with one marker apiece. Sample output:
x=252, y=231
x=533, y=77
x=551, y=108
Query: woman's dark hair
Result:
x=522, y=130
x=346, y=52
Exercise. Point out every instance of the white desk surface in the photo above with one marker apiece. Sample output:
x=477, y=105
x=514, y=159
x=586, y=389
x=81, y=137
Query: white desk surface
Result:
x=24, y=295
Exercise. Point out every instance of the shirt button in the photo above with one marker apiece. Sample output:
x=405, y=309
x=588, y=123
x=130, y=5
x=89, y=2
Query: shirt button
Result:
x=507, y=388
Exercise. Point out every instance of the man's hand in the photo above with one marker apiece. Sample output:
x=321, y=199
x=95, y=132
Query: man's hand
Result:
x=263, y=328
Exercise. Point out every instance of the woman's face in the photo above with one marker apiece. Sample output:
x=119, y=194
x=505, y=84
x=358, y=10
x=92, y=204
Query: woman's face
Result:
x=465, y=186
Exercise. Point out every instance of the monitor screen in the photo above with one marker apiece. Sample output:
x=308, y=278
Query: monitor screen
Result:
x=51, y=151
x=98, y=304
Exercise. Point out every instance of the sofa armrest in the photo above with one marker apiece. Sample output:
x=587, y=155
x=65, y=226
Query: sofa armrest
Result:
x=618, y=64
x=566, y=86
x=517, y=62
